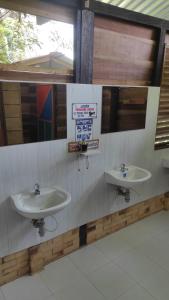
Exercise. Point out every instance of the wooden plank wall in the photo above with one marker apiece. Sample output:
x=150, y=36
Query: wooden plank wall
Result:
x=29, y=112
x=12, y=111
x=2, y=120
x=124, y=53
x=60, y=118
x=123, y=108
x=162, y=129
x=132, y=108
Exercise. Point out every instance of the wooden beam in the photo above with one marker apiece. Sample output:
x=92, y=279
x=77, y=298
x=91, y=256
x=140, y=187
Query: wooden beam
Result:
x=156, y=80
x=112, y=11
x=68, y=3
x=37, y=70
x=37, y=77
x=41, y=8
x=127, y=15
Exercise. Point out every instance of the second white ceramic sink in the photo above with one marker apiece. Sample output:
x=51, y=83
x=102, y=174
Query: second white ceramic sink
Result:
x=32, y=206
x=134, y=176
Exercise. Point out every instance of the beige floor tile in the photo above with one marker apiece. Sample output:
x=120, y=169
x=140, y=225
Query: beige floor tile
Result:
x=26, y=288
x=88, y=259
x=60, y=274
x=111, y=281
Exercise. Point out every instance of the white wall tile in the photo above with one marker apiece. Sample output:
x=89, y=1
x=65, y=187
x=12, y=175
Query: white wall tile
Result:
x=49, y=164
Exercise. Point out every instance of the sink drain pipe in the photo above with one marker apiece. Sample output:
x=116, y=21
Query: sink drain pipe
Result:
x=40, y=224
x=124, y=192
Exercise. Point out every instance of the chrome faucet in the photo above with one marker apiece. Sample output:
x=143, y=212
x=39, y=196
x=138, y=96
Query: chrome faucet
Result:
x=37, y=189
x=123, y=168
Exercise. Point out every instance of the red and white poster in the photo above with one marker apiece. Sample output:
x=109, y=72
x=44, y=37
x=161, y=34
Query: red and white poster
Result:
x=84, y=111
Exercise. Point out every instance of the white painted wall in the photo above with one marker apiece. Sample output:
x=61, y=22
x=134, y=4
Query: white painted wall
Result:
x=49, y=164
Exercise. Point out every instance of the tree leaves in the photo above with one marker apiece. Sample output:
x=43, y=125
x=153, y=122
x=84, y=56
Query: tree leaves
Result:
x=17, y=33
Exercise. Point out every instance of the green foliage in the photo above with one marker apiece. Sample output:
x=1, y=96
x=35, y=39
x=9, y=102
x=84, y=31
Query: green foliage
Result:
x=18, y=33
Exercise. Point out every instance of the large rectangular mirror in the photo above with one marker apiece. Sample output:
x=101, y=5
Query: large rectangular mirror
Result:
x=123, y=108
x=32, y=112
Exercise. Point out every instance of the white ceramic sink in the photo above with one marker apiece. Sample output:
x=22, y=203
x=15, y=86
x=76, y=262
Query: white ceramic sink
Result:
x=49, y=202
x=134, y=176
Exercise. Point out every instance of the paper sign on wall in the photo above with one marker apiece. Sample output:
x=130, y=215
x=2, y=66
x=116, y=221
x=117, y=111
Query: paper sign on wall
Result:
x=84, y=111
x=84, y=129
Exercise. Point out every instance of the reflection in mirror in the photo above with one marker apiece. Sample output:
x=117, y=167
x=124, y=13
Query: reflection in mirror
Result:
x=32, y=112
x=36, y=44
x=123, y=108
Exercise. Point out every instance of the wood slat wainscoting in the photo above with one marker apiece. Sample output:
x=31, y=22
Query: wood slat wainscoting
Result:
x=162, y=129
x=124, y=53
x=33, y=259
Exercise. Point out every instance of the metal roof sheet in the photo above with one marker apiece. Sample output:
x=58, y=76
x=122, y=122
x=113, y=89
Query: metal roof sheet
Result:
x=155, y=8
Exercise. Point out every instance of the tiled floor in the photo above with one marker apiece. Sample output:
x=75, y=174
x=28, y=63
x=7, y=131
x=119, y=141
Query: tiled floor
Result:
x=132, y=264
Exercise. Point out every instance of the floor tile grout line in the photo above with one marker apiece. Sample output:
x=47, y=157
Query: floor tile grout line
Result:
x=45, y=285
x=134, y=285
x=108, y=236
x=86, y=273
x=86, y=276
x=131, y=247
x=153, y=260
x=138, y=282
x=148, y=291
x=3, y=294
x=113, y=261
x=141, y=288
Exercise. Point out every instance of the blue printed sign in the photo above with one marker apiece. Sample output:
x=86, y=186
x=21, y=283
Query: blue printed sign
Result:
x=84, y=129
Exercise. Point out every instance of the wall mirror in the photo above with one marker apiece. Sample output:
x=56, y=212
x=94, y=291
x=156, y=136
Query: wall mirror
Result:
x=123, y=108
x=32, y=112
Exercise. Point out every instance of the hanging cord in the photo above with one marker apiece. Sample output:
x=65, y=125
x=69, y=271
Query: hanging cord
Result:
x=138, y=194
x=56, y=225
x=78, y=162
x=87, y=162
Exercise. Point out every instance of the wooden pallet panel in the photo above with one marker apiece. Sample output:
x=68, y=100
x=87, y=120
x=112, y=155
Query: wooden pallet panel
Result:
x=124, y=53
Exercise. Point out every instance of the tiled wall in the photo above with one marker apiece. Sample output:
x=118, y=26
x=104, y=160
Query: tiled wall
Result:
x=49, y=164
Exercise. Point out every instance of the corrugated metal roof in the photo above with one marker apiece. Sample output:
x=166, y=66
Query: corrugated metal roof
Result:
x=155, y=8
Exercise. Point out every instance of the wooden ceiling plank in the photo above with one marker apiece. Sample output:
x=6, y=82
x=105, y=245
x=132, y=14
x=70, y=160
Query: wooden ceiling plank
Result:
x=39, y=8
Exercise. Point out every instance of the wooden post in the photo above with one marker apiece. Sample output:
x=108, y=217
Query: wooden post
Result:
x=156, y=80
x=84, y=43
